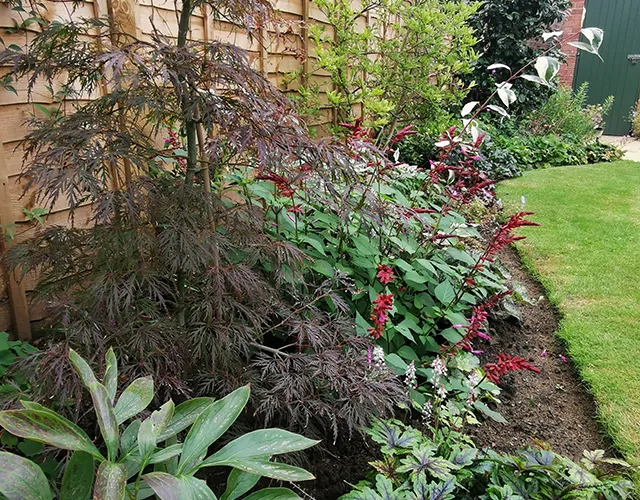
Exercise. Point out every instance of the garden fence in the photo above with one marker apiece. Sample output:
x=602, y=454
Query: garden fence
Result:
x=276, y=52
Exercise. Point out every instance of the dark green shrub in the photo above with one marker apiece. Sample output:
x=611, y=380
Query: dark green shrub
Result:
x=445, y=465
x=506, y=29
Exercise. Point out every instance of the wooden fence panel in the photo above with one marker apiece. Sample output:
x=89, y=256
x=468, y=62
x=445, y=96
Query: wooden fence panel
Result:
x=273, y=54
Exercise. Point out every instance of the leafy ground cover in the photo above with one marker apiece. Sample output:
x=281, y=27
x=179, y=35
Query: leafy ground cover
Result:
x=587, y=254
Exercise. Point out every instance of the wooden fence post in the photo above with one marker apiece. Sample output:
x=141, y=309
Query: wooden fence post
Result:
x=15, y=287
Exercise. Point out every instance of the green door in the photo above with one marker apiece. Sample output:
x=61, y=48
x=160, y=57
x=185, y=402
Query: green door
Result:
x=619, y=74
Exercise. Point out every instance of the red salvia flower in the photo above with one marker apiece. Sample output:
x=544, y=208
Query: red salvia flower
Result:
x=504, y=237
x=283, y=186
x=402, y=133
x=385, y=274
x=381, y=305
x=505, y=363
x=295, y=209
x=479, y=315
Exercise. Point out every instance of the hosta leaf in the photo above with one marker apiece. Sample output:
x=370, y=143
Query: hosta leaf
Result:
x=184, y=415
x=82, y=368
x=21, y=479
x=274, y=470
x=262, y=443
x=239, y=482
x=212, y=424
x=111, y=482
x=134, y=399
x=106, y=418
x=111, y=375
x=77, y=481
x=49, y=428
x=273, y=494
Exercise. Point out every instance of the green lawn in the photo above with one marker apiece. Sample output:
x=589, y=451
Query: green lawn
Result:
x=587, y=255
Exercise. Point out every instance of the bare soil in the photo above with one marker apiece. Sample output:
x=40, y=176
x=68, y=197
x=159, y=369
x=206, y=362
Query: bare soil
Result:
x=554, y=406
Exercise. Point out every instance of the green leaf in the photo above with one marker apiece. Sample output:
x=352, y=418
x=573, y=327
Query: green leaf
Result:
x=407, y=353
x=168, y=487
x=49, y=428
x=273, y=494
x=111, y=482
x=184, y=415
x=111, y=375
x=77, y=481
x=212, y=424
x=166, y=454
x=30, y=448
x=445, y=293
x=146, y=439
x=134, y=399
x=106, y=418
x=274, y=470
x=261, y=443
x=323, y=267
x=21, y=479
x=129, y=438
x=239, y=483
x=4, y=341
x=82, y=368
x=161, y=418
x=396, y=363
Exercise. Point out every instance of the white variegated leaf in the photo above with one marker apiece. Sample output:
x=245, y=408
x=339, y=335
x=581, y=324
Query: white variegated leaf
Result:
x=552, y=34
x=468, y=108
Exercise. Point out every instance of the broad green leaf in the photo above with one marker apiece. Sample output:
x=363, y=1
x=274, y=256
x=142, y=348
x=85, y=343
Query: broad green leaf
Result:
x=21, y=479
x=49, y=428
x=262, y=443
x=209, y=426
x=134, y=399
x=166, y=453
x=273, y=494
x=82, y=368
x=162, y=417
x=111, y=482
x=396, y=363
x=239, y=482
x=129, y=438
x=184, y=415
x=168, y=487
x=274, y=470
x=106, y=418
x=323, y=267
x=77, y=481
x=407, y=353
x=445, y=293
x=111, y=375
x=146, y=439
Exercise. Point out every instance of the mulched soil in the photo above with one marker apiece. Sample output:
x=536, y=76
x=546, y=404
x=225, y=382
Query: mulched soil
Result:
x=553, y=407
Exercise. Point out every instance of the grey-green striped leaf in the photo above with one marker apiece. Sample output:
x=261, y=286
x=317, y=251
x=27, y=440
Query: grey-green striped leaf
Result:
x=49, y=428
x=134, y=399
x=111, y=482
x=77, y=481
x=21, y=479
x=184, y=415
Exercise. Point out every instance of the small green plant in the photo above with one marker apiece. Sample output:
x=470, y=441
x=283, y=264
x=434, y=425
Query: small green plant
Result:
x=447, y=466
x=565, y=115
x=147, y=457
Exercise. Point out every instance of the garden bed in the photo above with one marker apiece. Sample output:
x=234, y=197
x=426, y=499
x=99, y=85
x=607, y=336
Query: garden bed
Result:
x=554, y=406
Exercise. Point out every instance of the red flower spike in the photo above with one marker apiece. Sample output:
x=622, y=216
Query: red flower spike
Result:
x=381, y=305
x=479, y=314
x=401, y=134
x=385, y=274
x=506, y=363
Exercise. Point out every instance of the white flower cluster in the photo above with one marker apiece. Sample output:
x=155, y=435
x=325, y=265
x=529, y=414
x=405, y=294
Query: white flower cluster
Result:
x=377, y=359
x=439, y=371
x=410, y=378
x=473, y=380
x=427, y=412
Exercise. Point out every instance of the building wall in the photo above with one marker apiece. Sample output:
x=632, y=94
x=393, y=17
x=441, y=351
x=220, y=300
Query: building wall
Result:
x=571, y=28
